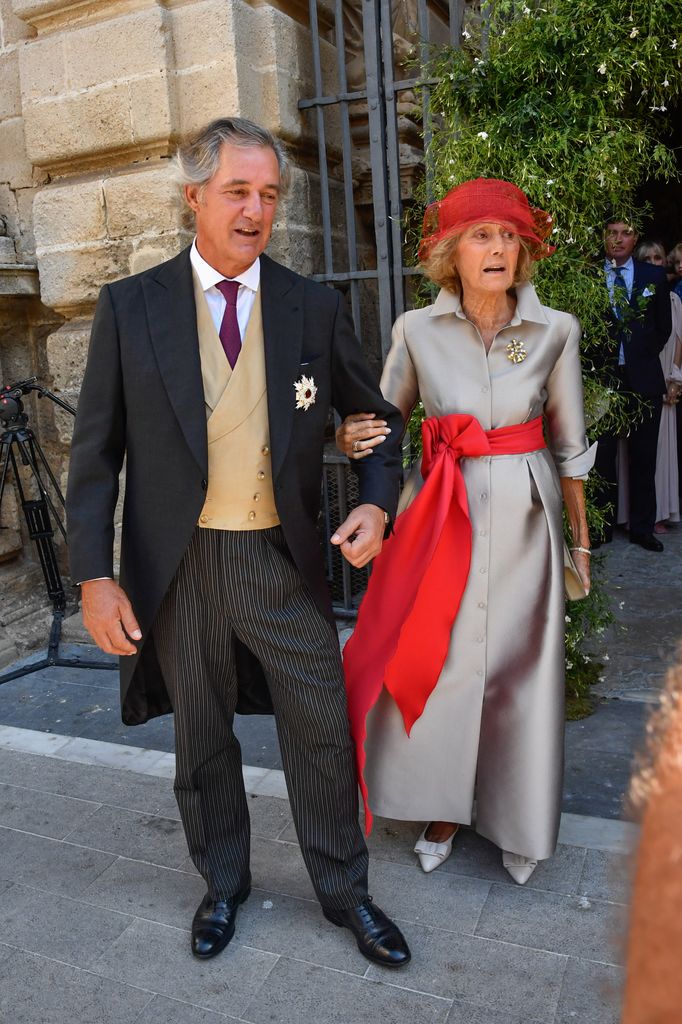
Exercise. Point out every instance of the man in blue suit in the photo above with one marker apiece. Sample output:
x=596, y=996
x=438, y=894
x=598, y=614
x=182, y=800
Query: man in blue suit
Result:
x=639, y=326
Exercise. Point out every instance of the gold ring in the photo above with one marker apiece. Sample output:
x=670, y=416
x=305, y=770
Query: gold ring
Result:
x=356, y=446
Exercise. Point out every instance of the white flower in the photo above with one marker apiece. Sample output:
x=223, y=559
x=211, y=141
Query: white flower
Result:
x=673, y=44
x=525, y=10
x=568, y=618
x=569, y=664
x=634, y=33
x=666, y=84
x=305, y=390
x=467, y=35
x=550, y=181
x=601, y=69
x=482, y=135
x=606, y=657
x=621, y=604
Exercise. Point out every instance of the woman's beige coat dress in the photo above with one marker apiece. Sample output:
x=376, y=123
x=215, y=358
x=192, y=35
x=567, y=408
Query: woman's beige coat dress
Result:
x=492, y=730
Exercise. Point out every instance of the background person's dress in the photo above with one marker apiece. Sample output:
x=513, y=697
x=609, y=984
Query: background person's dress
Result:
x=493, y=727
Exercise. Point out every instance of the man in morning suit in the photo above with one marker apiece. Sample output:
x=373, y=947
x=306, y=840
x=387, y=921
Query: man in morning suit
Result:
x=639, y=326
x=213, y=374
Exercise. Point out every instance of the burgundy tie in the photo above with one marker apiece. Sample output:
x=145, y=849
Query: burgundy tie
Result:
x=229, y=329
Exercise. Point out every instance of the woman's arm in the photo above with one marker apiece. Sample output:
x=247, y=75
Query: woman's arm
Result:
x=574, y=500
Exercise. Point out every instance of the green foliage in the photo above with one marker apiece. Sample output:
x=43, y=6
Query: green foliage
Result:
x=571, y=100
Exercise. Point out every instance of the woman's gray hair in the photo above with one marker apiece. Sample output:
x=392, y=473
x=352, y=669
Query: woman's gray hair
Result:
x=197, y=159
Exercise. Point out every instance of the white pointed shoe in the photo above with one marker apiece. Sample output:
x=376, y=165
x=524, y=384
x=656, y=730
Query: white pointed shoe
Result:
x=431, y=855
x=520, y=868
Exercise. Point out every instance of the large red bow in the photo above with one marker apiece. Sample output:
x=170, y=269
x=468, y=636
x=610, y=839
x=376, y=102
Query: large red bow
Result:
x=404, y=626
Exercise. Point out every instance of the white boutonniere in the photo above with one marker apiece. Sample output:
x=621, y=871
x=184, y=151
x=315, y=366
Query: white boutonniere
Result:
x=647, y=293
x=305, y=390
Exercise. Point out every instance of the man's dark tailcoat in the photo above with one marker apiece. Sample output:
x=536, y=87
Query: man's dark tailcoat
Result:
x=142, y=398
x=643, y=329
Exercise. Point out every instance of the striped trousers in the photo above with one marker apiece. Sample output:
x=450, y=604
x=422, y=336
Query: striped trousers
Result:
x=244, y=584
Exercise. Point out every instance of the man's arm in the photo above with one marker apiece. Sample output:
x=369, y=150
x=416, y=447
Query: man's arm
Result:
x=97, y=452
x=354, y=390
x=662, y=311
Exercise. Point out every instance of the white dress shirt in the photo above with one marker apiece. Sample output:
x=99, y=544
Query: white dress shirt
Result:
x=209, y=277
x=628, y=272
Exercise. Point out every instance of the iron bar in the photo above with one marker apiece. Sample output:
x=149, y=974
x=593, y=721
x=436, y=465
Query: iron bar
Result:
x=393, y=158
x=456, y=17
x=321, y=145
x=328, y=101
x=346, y=147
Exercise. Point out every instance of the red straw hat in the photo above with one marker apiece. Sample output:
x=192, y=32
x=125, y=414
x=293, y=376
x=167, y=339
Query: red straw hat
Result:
x=486, y=200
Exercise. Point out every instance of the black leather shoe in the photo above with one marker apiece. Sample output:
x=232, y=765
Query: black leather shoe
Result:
x=378, y=938
x=213, y=924
x=646, y=541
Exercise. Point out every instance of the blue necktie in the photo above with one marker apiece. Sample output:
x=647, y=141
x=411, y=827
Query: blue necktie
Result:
x=620, y=293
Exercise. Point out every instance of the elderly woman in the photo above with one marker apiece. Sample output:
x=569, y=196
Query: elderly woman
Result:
x=455, y=672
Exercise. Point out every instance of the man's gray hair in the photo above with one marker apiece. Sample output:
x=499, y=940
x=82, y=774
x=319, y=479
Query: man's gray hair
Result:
x=197, y=159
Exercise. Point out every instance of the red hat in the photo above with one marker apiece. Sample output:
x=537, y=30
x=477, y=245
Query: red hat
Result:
x=486, y=200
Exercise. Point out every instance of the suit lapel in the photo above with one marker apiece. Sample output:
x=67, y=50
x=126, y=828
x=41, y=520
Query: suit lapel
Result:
x=282, y=305
x=169, y=297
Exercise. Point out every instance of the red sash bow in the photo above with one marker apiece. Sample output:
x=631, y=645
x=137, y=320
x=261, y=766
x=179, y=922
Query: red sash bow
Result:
x=404, y=625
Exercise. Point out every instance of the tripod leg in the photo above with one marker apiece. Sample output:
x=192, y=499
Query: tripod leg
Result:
x=27, y=456
x=36, y=447
x=5, y=467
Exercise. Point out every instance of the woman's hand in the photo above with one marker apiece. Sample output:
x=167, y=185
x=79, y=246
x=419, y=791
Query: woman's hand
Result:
x=582, y=564
x=360, y=433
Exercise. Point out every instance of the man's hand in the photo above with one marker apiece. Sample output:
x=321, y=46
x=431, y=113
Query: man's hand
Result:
x=108, y=617
x=360, y=537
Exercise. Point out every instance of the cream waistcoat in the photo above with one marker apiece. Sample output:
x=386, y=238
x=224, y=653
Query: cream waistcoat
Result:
x=240, y=494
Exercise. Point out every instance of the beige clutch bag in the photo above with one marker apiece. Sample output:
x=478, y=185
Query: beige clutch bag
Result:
x=575, y=590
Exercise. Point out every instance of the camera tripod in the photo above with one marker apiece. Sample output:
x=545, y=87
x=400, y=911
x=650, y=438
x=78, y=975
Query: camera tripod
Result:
x=18, y=444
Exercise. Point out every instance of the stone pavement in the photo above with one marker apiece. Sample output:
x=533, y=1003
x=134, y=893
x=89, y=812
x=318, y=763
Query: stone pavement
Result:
x=98, y=894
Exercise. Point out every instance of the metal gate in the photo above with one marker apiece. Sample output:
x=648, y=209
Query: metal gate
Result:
x=379, y=45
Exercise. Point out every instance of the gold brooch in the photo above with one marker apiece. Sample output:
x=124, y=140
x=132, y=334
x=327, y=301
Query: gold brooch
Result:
x=516, y=353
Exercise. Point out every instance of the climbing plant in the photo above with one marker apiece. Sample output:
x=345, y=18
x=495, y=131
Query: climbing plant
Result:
x=573, y=101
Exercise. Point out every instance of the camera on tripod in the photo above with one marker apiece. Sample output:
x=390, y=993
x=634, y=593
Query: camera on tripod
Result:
x=20, y=446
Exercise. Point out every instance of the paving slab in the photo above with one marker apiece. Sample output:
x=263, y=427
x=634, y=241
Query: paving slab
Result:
x=35, y=860
x=500, y=976
x=58, y=927
x=590, y=994
x=164, y=895
x=162, y=1010
x=35, y=990
x=607, y=876
x=127, y=833
x=299, y=993
x=131, y=790
x=573, y=925
x=43, y=814
x=158, y=958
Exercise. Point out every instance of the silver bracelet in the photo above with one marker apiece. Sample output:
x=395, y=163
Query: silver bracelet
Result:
x=585, y=551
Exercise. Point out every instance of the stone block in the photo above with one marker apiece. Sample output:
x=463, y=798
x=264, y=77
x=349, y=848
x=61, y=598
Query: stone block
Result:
x=13, y=29
x=115, y=49
x=141, y=202
x=202, y=94
x=42, y=68
x=69, y=931
x=7, y=251
x=151, y=109
x=8, y=209
x=74, y=278
x=49, y=991
x=157, y=959
x=66, y=351
x=296, y=992
x=46, y=863
x=146, y=837
x=74, y=126
x=145, y=890
x=203, y=31
x=25, y=238
x=69, y=214
x=148, y=254
x=590, y=992
x=16, y=168
x=573, y=925
x=10, y=92
x=43, y=814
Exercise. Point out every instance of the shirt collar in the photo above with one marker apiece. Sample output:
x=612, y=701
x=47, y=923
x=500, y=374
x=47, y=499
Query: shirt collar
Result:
x=628, y=267
x=209, y=276
x=528, y=305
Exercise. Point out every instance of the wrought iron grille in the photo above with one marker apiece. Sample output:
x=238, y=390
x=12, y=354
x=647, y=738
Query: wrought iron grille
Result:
x=361, y=152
